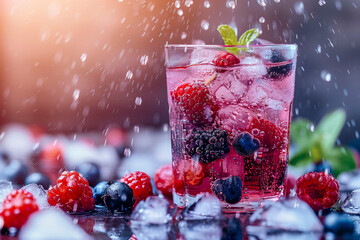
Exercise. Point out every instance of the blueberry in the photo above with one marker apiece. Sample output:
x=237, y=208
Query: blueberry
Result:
x=90, y=171
x=99, y=191
x=233, y=230
x=39, y=179
x=339, y=224
x=119, y=197
x=16, y=172
x=245, y=144
x=322, y=167
x=229, y=190
x=278, y=71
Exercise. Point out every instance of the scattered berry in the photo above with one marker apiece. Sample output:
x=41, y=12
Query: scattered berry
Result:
x=39, y=179
x=71, y=193
x=191, y=172
x=17, y=207
x=164, y=180
x=99, y=191
x=339, y=224
x=90, y=171
x=207, y=146
x=233, y=230
x=322, y=166
x=119, y=197
x=140, y=183
x=290, y=184
x=269, y=135
x=225, y=59
x=196, y=102
x=278, y=71
x=16, y=172
x=245, y=144
x=228, y=190
x=319, y=190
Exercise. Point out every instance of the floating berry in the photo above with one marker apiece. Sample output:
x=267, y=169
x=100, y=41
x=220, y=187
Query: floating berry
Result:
x=39, y=179
x=71, y=193
x=228, y=190
x=196, y=102
x=245, y=144
x=140, y=183
x=319, y=190
x=278, y=71
x=207, y=146
x=164, y=180
x=119, y=197
x=99, y=191
x=17, y=207
x=225, y=59
x=270, y=136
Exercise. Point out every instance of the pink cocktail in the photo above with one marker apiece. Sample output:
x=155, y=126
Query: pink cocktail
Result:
x=230, y=112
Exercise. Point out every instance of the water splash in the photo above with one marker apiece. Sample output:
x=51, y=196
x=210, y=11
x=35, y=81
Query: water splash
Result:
x=144, y=59
x=322, y=2
x=129, y=74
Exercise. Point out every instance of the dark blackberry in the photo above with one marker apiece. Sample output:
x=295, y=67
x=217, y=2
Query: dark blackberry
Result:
x=119, y=197
x=90, y=171
x=278, y=71
x=229, y=190
x=16, y=172
x=245, y=144
x=99, y=191
x=39, y=179
x=207, y=146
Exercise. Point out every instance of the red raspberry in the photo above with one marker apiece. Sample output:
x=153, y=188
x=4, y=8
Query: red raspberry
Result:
x=71, y=193
x=17, y=208
x=270, y=136
x=133, y=237
x=319, y=190
x=164, y=180
x=140, y=183
x=225, y=59
x=196, y=102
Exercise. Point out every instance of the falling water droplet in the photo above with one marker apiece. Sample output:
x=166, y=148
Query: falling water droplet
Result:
x=127, y=152
x=144, y=59
x=338, y=5
x=204, y=24
x=261, y=19
x=177, y=4
x=262, y=3
x=183, y=35
x=230, y=4
x=165, y=127
x=299, y=8
x=325, y=75
x=76, y=94
x=180, y=12
x=129, y=74
x=136, y=129
x=188, y=3
x=206, y=4
x=120, y=0
x=138, y=101
x=83, y=57
x=318, y=49
x=277, y=1
x=322, y=2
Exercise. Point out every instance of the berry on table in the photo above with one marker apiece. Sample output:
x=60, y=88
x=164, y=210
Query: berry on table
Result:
x=270, y=136
x=164, y=180
x=119, y=197
x=228, y=190
x=319, y=190
x=278, y=72
x=339, y=224
x=140, y=183
x=90, y=171
x=99, y=191
x=71, y=193
x=17, y=207
x=196, y=102
x=322, y=166
x=245, y=144
x=16, y=172
x=39, y=179
x=207, y=146
x=225, y=59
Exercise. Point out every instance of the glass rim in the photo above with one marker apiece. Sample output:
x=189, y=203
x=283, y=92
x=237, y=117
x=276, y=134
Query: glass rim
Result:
x=291, y=46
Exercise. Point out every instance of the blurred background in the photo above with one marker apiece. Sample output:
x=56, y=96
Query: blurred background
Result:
x=83, y=68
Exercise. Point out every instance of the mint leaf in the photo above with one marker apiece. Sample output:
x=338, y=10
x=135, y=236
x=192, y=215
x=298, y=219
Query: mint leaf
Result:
x=341, y=159
x=301, y=158
x=300, y=132
x=228, y=35
x=249, y=36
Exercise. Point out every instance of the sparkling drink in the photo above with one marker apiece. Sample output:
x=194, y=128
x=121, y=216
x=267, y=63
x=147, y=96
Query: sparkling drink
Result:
x=230, y=111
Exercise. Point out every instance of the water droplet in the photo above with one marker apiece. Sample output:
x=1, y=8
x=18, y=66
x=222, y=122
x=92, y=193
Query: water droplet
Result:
x=230, y=4
x=188, y=3
x=129, y=74
x=144, y=59
x=204, y=24
x=183, y=35
x=136, y=129
x=166, y=127
x=127, y=152
x=206, y=4
x=322, y=2
x=120, y=0
x=180, y=12
x=83, y=57
x=277, y=1
x=261, y=19
x=177, y=4
x=357, y=135
x=325, y=75
x=318, y=49
x=338, y=5
x=138, y=101
x=76, y=94
x=262, y=3
x=299, y=8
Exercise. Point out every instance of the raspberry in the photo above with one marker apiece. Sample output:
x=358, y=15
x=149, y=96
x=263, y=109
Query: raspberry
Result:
x=196, y=102
x=17, y=207
x=71, y=193
x=164, y=180
x=225, y=59
x=207, y=146
x=190, y=172
x=269, y=135
x=245, y=144
x=319, y=190
x=140, y=183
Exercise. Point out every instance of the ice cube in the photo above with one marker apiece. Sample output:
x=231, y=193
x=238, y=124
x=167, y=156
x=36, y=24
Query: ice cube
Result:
x=39, y=193
x=202, y=56
x=154, y=210
x=234, y=117
x=292, y=215
x=5, y=188
x=351, y=203
x=152, y=232
x=229, y=90
x=206, y=207
x=51, y=224
x=349, y=181
x=259, y=41
x=210, y=230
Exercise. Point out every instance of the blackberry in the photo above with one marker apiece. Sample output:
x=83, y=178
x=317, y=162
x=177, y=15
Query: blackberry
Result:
x=119, y=197
x=207, y=146
x=229, y=190
x=278, y=71
x=245, y=144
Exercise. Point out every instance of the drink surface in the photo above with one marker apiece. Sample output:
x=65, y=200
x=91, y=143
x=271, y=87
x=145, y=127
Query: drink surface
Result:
x=230, y=123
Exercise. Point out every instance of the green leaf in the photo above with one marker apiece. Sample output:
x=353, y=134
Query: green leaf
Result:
x=301, y=158
x=228, y=35
x=300, y=132
x=330, y=127
x=249, y=36
x=341, y=159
